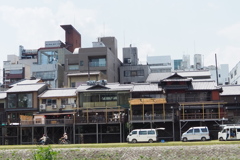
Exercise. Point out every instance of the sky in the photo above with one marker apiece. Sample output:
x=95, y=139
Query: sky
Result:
x=155, y=27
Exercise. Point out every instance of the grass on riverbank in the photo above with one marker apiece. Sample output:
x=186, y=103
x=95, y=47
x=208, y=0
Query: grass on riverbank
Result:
x=111, y=145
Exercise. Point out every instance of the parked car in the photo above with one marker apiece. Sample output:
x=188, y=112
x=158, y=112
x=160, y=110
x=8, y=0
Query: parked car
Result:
x=234, y=131
x=143, y=135
x=196, y=133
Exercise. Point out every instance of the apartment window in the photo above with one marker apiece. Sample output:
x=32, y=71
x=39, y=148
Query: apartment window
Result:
x=25, y=100
x=235, y=72
x=12, y=100
x=134, y=73
x=49, y=102
x=81, y=63
x=73, y=67
x=97, y=62
x=219, y=75
x=64, y=101
x=73, y=84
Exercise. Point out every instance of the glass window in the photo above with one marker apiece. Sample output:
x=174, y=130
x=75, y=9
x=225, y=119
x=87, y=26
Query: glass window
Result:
x=12, y=99
x=151, y=132
x=204, y=129
x=25, y=100
x=51, y=102
x=197, y=130
x=134, y=132
x=97, y=62
x=190, y=131
x=44, y=101
x=44, y=75
x=142, y=132
x=64, y=101
x=126, y=73
x=81, y=63
x=73, y=67
x=48, y=57
x=73, y=84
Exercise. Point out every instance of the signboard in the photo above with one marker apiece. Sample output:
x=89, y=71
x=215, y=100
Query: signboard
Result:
x=52, y=43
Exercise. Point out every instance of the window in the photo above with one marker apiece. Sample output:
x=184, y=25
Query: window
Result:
x=142, y=132
x=73, y=84
x=151, y=132
x=235, y=72
x=51, y=101
x=81, y=63
x=197, y=130
x=12, y=99
x=133, y=73
x=64, y=101
x=25, y=100
x=204, y=129
x=73, y=67
x=134, y=132
x=190, y=131
x=48, y=57
x=97, y=62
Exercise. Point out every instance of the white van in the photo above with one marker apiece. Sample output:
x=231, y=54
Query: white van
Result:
x=196, y=133
x=143, y=135
x=234, y=133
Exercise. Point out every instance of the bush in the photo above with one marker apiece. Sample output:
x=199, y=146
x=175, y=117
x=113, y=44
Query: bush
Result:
x=45, y=153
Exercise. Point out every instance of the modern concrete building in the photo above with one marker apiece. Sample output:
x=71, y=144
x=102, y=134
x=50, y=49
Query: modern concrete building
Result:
x=131, y=71
x=186, y=62
x=223, y=74
x=101, y=58
x=198, y=63
x=51, y=58
x=234, y=75
x=177, y=63
x=159, y=64
x=15, y=69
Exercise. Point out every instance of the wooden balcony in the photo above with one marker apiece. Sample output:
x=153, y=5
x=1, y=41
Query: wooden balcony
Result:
x=203, y=116
x=152, y=118
x=100, y=119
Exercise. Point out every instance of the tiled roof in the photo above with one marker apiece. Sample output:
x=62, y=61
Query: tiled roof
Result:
x=110, y=86
x=204, y=85
x=230, y=90
x=156, y=77
x=28, y=81
x=26, y=87
x=61, y=92
x=145, y=87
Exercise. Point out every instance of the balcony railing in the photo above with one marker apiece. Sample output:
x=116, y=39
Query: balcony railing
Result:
x=47, y=122
x=157, y=117
x=100, y=119
x=191, y=116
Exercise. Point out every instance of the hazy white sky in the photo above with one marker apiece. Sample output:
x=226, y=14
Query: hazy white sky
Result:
x=155, y=27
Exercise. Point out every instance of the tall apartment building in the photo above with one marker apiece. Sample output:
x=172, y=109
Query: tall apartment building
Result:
x=186, y=62
x=95, y=63
x=234, y=75
x=198, y=63
x=159, y=64
x=131, y=71
x=223, y=74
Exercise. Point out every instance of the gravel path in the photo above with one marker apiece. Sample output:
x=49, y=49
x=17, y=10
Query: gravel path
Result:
x=201, y=152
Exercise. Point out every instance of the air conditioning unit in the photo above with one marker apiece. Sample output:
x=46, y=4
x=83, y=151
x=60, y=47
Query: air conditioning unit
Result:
x=54, y=106
x=63, y=106
x=74, y=105
x=42, y=106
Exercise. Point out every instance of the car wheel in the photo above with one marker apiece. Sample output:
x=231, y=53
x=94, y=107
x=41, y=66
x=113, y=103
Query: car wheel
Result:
x=150, y=141
x=203, y=139
x=184, y=139
x=134, y=141
x=221, y=139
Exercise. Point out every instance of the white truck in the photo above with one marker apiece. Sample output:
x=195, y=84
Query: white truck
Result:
x=196, y=133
